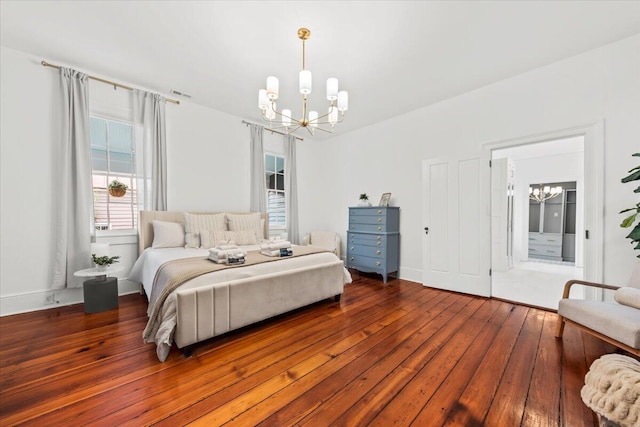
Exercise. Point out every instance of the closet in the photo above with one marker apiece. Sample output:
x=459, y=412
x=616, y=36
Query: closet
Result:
x=552, y=224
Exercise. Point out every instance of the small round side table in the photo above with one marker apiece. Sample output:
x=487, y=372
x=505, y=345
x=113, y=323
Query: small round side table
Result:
x=101, y=292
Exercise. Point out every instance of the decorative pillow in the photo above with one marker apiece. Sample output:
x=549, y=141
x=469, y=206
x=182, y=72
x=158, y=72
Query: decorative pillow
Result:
x=195, y=223
x=628, y=296
x=167, y=234
x=241, y=222
x=243, y=237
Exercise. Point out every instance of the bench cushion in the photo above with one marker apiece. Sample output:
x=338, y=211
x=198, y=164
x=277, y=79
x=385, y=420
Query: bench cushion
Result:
x=620, y=322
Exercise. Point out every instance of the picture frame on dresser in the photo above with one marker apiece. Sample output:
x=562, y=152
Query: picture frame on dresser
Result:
x=384, y=199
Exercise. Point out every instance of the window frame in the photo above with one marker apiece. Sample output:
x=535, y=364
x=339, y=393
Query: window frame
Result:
x=276, y=155
x=110, y=176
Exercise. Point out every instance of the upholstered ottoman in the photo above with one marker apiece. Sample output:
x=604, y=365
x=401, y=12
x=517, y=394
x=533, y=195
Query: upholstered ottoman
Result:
x=612, y=390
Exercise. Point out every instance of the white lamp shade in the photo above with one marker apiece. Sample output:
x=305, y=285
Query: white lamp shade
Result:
x=286, y=118
x=313, y=119
x=270, y=112
x=263, y=102
x=332, y=89
x=305, y=82
x=536, y=191
x=558, y=189
x=546, y=189
x=530, y=190
x=272, y=87
x=333, y=115
x=343, y=100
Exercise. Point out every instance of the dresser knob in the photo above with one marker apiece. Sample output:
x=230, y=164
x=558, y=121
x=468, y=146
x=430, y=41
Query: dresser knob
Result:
x=379, y=228
x=378, y=263
x=353, y=226
x=379, y=237
x=351, y=259
x=379, y=211
x=378, y=252
x=378, y=243
x=379, y=219
x=351, y=247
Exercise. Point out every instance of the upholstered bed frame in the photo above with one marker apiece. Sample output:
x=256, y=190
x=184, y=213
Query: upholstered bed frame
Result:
x=214, y=309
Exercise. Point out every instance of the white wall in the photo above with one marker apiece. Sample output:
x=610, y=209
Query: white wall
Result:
x=207, y=170
x=602, y=84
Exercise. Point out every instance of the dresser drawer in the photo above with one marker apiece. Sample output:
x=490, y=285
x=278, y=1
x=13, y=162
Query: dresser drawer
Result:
x=366, y=239
x=370, y=228
x=372, y=251
x=368, y=219
x=537, y=249
x=372, y=211
x=545, y=239
x=364, y=261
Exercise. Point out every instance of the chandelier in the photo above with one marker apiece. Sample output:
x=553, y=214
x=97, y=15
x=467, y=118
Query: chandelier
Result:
x=541, y=193
x=338, y=102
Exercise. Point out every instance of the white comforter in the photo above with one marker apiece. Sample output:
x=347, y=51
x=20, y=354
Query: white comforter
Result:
x=145, y=268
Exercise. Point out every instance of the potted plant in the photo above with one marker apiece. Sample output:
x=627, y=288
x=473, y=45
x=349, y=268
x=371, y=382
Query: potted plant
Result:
x=634, y=217
x=364, y=200
x=117, y=188
x=103, y=262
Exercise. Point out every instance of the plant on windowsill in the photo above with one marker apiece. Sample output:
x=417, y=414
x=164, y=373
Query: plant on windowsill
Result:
x=364, y=200
x=633, y=218
x=103, y=262
x=117, y=188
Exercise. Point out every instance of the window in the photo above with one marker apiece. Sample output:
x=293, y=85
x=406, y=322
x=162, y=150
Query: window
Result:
x=274, y=168
x=113, y=157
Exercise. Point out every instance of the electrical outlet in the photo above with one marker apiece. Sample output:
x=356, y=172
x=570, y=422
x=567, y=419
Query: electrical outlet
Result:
x=49, y=299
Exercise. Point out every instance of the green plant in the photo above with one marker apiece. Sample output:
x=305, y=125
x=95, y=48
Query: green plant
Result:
x=364, y=197
x=634, y=175
x=104, y=260
x=117, y=184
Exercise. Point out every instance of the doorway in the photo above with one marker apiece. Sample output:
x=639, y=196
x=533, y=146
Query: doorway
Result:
x=537, y=243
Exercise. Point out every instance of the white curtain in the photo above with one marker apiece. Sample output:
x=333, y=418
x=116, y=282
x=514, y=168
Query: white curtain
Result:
x=258, y=196
x=151, y=150
x=74, y=197
x=291, y=188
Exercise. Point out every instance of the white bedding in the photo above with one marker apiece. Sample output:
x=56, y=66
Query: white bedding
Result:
x=151, y=259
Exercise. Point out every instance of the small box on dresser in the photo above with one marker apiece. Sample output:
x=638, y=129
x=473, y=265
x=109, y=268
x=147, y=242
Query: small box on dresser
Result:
x=373, y=239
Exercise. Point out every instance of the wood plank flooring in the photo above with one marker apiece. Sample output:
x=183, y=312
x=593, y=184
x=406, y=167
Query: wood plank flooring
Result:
x=399, y=354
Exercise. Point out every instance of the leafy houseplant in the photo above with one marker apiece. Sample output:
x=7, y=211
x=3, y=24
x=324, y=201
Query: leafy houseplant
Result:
x=633, y=218
x=364, y=200
x=104, y=261
x=117, y=188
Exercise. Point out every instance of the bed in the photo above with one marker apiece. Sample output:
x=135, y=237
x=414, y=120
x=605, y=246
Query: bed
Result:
x=215, y=302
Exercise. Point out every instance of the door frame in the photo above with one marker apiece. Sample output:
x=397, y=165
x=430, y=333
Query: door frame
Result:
x=593, y=134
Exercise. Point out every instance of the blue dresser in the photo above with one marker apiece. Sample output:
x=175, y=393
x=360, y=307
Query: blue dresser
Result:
x=373, y=239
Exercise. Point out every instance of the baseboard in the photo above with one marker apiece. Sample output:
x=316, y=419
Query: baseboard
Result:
x=34, y=301
x=410, y=274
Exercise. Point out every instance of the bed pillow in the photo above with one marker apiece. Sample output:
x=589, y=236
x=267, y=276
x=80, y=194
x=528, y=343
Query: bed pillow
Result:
x=167, y=234
x=211, y=238
x=241, y=222
x=628, y=296
x=194, y=224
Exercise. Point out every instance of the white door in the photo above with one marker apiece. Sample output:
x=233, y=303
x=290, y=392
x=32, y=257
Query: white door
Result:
x=456, y=213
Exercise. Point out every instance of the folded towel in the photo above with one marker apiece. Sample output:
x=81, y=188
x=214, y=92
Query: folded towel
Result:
x=277, y=252
x=225, y=247
x=276, y=245
x=213, y=252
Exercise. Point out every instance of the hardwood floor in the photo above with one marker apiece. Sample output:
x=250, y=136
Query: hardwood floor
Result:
x=399, y=354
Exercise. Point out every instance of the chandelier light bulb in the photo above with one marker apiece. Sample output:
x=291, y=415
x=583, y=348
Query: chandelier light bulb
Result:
x=343, y=100
x=263, y=102
x=313, y=119
x=305, y=82
x=286, y=118
x=272, y=87
x=332, y=89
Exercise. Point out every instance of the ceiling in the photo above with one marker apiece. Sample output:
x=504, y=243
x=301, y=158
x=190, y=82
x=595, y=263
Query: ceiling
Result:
x=392, y=56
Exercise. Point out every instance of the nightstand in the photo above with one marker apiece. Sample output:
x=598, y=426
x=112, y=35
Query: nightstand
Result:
x=101, y=292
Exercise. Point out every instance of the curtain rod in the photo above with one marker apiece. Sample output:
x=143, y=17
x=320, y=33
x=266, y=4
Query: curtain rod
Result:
x=270, y=130
x=109, y=82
